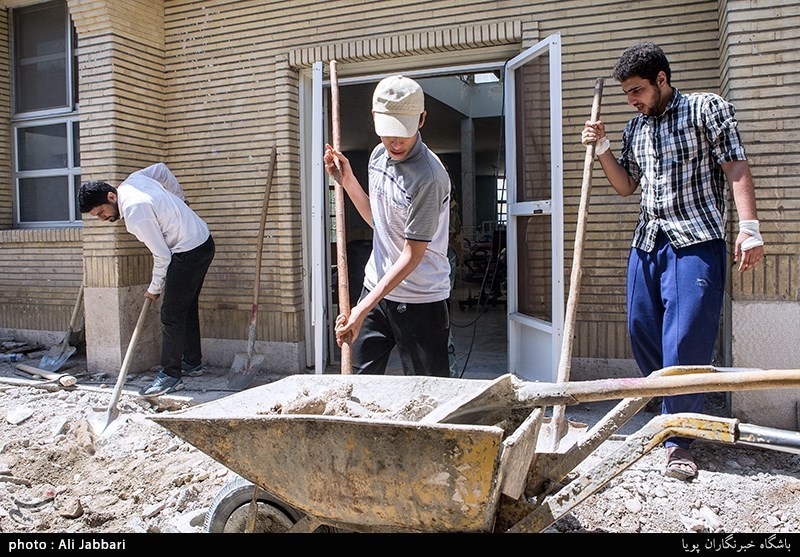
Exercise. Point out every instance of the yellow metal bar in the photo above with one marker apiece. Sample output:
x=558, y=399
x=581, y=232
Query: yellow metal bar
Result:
x=697, y=426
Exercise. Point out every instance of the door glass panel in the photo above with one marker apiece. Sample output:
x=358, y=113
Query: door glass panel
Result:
x=535, y=275
x=533, y=129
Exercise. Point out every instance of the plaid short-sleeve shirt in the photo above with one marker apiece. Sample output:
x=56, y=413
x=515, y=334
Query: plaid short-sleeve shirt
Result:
x=675, y=158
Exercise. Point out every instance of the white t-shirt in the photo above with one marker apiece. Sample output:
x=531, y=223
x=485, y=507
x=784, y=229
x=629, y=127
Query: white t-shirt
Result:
x=410, y=199
x=159, y=218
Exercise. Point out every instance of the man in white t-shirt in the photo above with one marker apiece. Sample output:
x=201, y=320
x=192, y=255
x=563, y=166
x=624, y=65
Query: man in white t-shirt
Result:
x=407, y=278
x=152, y=205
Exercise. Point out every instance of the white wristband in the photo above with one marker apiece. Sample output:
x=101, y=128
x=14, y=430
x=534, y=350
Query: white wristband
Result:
x=750, y=227
x=602, y=145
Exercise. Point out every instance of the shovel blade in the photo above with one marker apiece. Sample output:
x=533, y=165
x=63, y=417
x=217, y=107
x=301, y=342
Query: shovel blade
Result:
x=100, y=420
x=244, y=370
x=104, y=422
x=55, y=357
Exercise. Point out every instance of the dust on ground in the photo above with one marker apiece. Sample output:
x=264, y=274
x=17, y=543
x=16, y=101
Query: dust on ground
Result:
x=56, y=475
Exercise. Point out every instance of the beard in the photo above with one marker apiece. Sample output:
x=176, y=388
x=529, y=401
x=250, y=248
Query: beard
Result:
x=659, y=104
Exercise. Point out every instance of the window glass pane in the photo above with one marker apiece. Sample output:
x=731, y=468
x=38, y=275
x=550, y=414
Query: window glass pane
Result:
x=41, y=86
x=75, y=72
x=76, y=183
x=44, y=199
x=40, y=48
x=76, y=144
x=42, y=147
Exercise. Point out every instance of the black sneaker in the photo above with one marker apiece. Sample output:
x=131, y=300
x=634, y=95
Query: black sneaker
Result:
x=162, y=385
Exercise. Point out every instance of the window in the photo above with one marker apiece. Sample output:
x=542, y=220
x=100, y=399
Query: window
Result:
x=45, y=133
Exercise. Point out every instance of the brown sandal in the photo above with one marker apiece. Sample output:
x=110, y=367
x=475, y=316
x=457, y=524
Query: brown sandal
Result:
x=680, y=464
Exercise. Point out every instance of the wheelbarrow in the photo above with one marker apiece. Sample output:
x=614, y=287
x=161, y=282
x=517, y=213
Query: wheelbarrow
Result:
x=425, y=454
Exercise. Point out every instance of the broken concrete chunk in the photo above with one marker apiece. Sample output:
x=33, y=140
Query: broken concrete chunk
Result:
x=711, y=518
x=17, y=415
x=317, y=404
x=70, y=507
x=58, y=426
x=152, y=510
x=633, y=505
x=350, y=408
x=314, y=405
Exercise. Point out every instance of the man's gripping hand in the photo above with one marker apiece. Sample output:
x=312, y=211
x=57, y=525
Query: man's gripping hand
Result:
x=592, y=132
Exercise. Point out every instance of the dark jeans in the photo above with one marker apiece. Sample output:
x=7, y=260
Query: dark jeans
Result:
x=420, y=332
x=180, y=320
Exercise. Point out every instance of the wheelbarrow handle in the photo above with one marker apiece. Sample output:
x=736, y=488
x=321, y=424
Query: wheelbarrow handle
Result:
x=509, y=391
x=675, y=380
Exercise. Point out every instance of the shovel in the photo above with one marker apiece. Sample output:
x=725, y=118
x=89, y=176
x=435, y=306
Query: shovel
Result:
x=60, y=353
x=63, y=379
x=111, y=414
x=245, y=366
x=341, y=245
x=559, y=426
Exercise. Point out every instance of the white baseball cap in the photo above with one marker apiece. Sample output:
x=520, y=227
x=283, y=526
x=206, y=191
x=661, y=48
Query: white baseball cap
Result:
x=397, y=104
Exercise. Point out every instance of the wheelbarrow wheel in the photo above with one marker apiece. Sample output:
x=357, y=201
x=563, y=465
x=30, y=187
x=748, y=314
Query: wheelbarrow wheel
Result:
x=230, y=511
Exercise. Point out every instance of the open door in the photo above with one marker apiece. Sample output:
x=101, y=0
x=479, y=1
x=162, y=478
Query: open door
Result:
x=320, y=253
x=534, y=173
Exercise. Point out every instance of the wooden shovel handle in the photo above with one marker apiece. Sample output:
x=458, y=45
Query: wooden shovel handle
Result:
x=565, y=361
x=341, y=242
x=64, y=379
x=577, y=255
x=73, y=321
x=251, y=333
x=129, y=353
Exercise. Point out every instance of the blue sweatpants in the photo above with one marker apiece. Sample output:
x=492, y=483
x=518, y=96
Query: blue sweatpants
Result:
x=674, y=299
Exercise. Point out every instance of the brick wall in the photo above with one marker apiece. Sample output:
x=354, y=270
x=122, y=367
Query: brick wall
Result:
x=219, y=86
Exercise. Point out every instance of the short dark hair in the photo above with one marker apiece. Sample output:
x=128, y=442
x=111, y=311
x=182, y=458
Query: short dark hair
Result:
x=643, y=60
x=93, y=194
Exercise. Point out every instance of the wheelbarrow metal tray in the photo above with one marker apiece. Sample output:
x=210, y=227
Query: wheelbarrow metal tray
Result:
x=374, y=474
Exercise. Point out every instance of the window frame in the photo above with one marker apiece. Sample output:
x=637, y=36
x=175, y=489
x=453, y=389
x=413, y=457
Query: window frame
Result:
x=69, y=115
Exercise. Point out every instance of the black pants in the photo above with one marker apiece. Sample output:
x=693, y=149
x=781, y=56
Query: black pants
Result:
x=420, y=332
x=180, y=320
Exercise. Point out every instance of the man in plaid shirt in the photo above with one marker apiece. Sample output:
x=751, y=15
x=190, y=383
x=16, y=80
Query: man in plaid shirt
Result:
x=680, y=150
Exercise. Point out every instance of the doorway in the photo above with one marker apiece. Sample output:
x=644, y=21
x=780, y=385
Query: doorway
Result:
x=497, y=127
x=464, y=127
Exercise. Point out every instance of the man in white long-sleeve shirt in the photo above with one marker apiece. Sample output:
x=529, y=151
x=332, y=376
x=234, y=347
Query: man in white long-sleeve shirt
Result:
x=152, y=205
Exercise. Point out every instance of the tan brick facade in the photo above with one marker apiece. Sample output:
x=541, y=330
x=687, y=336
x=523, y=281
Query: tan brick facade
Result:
x=208, y=86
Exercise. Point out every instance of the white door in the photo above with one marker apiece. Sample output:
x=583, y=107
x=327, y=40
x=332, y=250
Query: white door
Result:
x=535, y=253
x=320, y=252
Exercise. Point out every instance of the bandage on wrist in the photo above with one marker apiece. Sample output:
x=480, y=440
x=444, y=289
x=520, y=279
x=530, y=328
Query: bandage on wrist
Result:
x=602, y=145
x=750, y=227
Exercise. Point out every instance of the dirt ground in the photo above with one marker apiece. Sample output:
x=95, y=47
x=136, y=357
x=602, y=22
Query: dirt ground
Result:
x=57, y=476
